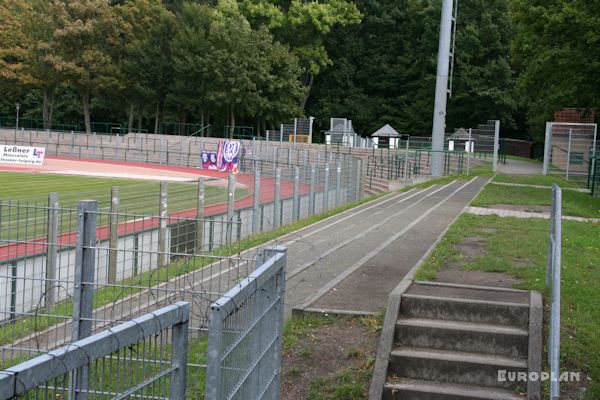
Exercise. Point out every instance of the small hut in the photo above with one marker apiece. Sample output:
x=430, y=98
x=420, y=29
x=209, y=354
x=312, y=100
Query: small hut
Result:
x=386, y=136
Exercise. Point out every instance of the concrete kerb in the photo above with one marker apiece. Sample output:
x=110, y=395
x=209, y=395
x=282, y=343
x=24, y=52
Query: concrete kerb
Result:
x=386, y=340
x=534, y=354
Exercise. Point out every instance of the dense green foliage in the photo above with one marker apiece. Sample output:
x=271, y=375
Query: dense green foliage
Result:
x=260, y=62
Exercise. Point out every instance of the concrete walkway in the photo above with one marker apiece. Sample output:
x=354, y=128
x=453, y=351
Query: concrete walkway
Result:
x=351, y=263
x=518, y=167
x=522, y=214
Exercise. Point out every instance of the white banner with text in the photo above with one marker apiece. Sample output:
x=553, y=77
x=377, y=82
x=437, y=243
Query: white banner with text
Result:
x=22, y=155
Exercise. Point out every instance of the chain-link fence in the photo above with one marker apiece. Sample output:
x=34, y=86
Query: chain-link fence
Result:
x=569, y=149
x=66, y=273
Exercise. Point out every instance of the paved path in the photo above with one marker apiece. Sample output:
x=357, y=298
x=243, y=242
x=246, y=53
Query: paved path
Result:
x=352, y=264
x=522, y=214
x=518, y=167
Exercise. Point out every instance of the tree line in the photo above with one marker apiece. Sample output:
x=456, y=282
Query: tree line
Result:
x=261, y=62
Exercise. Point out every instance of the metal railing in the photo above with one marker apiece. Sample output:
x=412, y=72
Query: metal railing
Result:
x=246, y=327
x=553, y=270
x=143, y=358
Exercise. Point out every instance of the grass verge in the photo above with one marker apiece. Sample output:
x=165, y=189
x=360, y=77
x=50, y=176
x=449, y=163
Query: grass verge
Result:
x=545, y=180
x=574, y=203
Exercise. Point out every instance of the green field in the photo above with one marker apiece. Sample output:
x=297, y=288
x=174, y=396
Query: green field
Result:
x=137, y=196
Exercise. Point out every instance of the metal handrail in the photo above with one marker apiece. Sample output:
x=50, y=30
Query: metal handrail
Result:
x=553, y=269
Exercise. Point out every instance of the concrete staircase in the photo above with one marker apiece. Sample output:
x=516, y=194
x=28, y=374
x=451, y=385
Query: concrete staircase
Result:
x=450, y=342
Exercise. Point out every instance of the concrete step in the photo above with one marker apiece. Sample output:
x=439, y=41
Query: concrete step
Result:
x=454, y=367
x=484, y=305
x=462, y=336
x=426, y=390
x=479, y=311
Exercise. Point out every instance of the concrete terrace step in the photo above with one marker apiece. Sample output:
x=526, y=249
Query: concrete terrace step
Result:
x=453, y=366
x=427, y=390
x=462, y=336
x=456, y=309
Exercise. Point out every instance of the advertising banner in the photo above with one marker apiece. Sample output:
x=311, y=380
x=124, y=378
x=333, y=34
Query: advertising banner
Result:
x=225, y=159
x=21, y=155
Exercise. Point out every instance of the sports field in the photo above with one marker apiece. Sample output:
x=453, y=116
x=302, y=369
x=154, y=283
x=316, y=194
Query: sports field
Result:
x=137, y=196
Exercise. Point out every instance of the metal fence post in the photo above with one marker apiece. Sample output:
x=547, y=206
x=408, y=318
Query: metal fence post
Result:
x=338, y=184
x=279, y=317
x=83, y=293
x=359, y=179
x=569, y=154
x=230, y=207
x=214, y=353
x=52, y=250
x=554, y=343
x=114, y=234
x=296, y=198
x=200, y=215
x=496, y=145
x=311, y=191
x=256, y=203
x=277, y=201
x=326, y=188
x=305, y=164
x=179, y=349
x=162, y=233
x=469, y=151
x=164, y=156
x=547, y=148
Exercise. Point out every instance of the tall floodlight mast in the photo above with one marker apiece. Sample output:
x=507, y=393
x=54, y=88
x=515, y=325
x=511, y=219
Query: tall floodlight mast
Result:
x=441, y=90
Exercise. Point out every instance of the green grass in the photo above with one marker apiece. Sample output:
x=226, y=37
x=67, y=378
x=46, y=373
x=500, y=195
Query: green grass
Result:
x=574, y=203
x=580, y=276
x=544, y=180
x=137, y=196
x=527, y=159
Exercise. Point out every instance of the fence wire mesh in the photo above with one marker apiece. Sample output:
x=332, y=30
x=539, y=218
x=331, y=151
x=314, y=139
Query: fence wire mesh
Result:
x=246, y=333
x=569, y=149
x=140, y=263
x=143, y=358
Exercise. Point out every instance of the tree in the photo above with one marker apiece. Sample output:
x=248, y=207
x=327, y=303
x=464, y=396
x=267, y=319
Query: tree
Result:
x=26, y=39
x=304, y=27
x=557, y=55
x=484, y=81
x=384, y=71
x=191, y=63
x=147, y=60
x=83, y=32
